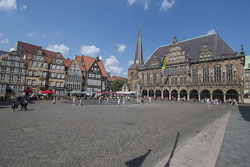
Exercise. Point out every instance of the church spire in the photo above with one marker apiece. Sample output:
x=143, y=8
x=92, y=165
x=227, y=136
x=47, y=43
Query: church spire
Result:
x=138, y=54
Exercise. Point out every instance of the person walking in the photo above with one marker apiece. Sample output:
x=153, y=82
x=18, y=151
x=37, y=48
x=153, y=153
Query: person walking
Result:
x=80, y=101
x=118, y=101
x=73, y=100
x=13, y=106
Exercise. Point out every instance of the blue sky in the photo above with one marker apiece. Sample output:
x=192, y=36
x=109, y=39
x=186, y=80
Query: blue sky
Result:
x=109, y=28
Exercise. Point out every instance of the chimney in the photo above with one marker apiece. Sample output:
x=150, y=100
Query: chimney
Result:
x=97, y=58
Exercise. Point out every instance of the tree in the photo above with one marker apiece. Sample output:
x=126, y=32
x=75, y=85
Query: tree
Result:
x=117, y=85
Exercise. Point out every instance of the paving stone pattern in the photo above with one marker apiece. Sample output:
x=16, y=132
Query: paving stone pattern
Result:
x=235, y=149
x=99, y=135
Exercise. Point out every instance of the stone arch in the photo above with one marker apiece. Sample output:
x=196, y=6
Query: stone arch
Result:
x=166, y=94
x=205, y=94
x=233, y=94
x=183, y=94
x=151, y=93
x=158, y=93
x=174, y=95
x=218, y=94
x=193, y=95
x=144, y=92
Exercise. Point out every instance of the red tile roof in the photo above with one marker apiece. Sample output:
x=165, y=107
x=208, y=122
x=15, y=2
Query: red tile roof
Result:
x=1, y=57
x=67, y=62
x=28, y=48
x=116, y=77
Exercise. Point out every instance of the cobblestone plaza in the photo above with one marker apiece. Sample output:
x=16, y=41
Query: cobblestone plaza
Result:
x=99, y=134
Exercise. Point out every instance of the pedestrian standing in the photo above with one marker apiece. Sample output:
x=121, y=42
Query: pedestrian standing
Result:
x=13, y=104
x=118, y=101
x=80, y=101
x=74, y=100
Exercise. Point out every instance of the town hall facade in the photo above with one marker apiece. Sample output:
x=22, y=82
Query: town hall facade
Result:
x=197, y=68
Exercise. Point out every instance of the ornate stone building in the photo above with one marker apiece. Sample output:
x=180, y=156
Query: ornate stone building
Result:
x=198, y=68
x=12, y=75
x=37, y=71
x=247, y=77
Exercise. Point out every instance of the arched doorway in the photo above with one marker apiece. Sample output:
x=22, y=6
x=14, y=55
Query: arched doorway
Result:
x=205, y=94
x=218, y=94
x=183, y=94
x=232, y=94
x=166, y=94
x=193, y=95
x=151, y=93
x=144, y=92
x=158, y=93
x=174, y=95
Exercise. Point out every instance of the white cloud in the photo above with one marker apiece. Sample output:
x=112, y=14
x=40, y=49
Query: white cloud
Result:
x=12, y=49
x=146, y=6
x=130, y=62
x=167, y=4
x=130, y=2
x=59, y=48
x=4, y=41
x=100, y=58
x=112, y=65
x=89, y=50
x=125, y=74
x=1, y=35
x=31, y=34
x=212, y=31
x=8, y=5
x=121, y=47
x=23, y=7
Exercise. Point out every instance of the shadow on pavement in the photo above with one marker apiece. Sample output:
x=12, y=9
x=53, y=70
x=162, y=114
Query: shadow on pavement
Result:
x=172, y=153
x=245, y=112
x=138, y=161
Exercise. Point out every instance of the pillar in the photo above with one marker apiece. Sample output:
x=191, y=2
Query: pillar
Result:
x=188, y=97
x=211, y=96
x=162, y=95
x=224, y=95
x=199, y=96
x=169, y=96
x=178, y=96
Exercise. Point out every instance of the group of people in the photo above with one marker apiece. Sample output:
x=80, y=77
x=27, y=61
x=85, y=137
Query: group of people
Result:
x=232, y=101
x=22, y=101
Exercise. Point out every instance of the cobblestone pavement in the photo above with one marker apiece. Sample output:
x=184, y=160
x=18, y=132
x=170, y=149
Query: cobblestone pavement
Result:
x=235, y=149
x=99, y=135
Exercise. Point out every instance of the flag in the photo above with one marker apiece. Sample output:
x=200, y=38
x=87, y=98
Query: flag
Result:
x=163, y=63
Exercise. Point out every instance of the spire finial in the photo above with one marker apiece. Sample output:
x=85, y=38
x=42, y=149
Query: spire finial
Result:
x=175, y=39
x=217, y=28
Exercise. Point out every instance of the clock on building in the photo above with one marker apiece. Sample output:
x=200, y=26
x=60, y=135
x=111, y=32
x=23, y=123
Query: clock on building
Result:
x=137, y=61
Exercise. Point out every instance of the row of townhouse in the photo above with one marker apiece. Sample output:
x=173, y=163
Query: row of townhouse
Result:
x=32, y=67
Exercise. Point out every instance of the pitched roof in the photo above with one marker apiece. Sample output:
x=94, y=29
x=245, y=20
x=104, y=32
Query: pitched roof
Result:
x=113, y=78
x=1, y=57
x=27, y=48
x=67, y=62
x=101, y=65
x=193, y=46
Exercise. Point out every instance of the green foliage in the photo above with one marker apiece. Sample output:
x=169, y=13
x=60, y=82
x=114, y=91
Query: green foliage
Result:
x=117, y=85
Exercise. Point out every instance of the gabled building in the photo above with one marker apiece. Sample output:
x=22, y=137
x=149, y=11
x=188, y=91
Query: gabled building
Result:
x=37, y=71
x=247, y=77
x=74, y=75
x=12, y=75
x=94, y=74
x=197, y=68
x=57, y=73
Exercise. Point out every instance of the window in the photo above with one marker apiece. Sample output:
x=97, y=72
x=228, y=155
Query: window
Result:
x=62, y=67
x=41, y=58
x=5, y=62
x=12, y=69
x=173, y=81
x=98, y=76
x=247, y=84
x=2, y=88
x=154, y=77
x=11, y=79
x=229, y=72
x=57, y=84
x=34, y=73
x=142, y=77
x=62, y=76
x=20, y=70
x=58, y=76
x=12, y=63
x=195, y=75
x=37, y=57
x=94, y=82
x=217, y=73
x=3, y=77
x=33, y=64
x=3, y=68
x=44, y=74
x=53, y=67
x=42, y=65
x=183, y=80
x=33, y=82
x=19, y=78
x=30, y=73
x=28, y=82
x=51, y=83
x=148, y=78
x=183, y=69
x=206, y=74
x=38, y=65
x=52, y=75
x=58, y=67
x=61, y=84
